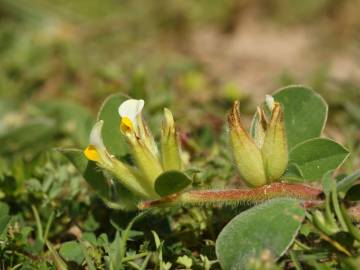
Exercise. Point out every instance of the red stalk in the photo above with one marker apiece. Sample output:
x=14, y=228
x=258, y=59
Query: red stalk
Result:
x=251, y=195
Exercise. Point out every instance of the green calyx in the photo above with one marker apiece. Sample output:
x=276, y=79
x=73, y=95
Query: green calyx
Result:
x=262, y=159
x=170, y=150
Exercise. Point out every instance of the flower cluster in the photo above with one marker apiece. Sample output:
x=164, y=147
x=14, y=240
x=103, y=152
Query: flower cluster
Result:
x=149, y=161
x=262, y=158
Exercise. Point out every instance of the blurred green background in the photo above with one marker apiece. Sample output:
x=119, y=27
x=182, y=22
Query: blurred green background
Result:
x=185, y=54
x=60, y=59
x=195, y=57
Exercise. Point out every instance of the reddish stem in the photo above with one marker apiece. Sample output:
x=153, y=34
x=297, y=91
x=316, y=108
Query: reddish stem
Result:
x=253, y=195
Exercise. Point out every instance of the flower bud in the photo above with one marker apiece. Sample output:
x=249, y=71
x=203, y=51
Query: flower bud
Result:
x=259, y=127
x=170, y=150
x=145, y=134
x=270, y=103
x=146, y=161
x=274, y=149
x=247, y=155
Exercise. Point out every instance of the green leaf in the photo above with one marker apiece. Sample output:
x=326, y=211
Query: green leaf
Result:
x=171, y=182
x=271, y=226
x=185, y=261
x=112, y=138
x=114, y=195
x=72, y=251
x=317, y=156
x=293, y=173
x=305, y=113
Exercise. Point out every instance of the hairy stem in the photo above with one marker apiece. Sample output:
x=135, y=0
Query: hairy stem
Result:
x=234, y=196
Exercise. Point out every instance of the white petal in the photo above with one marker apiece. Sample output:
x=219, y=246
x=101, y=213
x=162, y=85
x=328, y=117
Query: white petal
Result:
x=131, y=108
x=95, y=135
x=269, y=100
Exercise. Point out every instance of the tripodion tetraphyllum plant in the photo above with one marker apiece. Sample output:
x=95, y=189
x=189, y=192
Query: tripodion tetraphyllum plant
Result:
x=280, y=158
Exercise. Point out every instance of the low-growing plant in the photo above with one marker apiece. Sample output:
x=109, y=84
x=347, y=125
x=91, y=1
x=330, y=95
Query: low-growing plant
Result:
x=281, y=160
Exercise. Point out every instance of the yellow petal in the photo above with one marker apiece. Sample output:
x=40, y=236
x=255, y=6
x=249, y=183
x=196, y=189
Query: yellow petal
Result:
x=126, y=125
x=91, y=153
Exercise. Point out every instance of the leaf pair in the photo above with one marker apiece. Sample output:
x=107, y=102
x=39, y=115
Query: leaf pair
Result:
x=305, y=114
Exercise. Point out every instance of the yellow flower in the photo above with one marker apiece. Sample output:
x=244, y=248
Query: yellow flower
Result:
x=91, y=153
